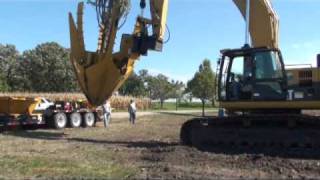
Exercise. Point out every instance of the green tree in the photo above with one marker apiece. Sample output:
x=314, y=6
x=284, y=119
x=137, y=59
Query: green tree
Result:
x=178, y=89
x=134, y=86
x=49, y=69
x=3, y=85
x=10, y=63
x=160, y=88
x=202, y=84
x=144, y=75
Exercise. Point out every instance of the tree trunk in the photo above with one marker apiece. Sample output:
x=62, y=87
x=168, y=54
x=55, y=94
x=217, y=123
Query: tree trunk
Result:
x=161, y=103
x=176, y=104
x=203, y=103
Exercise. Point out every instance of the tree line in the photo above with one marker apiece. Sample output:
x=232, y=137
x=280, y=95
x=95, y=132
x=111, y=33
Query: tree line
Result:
x=47, y=68
x=160, y=87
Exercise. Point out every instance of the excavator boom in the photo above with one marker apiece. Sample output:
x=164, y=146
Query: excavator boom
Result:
x=264, y=22
x=102, y=72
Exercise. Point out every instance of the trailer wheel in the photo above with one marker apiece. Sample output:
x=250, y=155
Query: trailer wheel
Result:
x=89, y=119
x=60, y=120
x=75, y=120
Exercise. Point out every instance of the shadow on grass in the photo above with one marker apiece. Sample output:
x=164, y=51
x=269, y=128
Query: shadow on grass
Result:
x=42, y=135
x=259, y=152
x=181, y=114
x=128, y=144
x=45, y=135
x=255, y=153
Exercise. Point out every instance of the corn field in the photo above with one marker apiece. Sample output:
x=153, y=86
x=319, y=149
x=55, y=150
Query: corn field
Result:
x=117, y=102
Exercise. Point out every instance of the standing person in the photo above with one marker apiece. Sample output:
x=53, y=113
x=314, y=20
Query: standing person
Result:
x=132, y=109
x=106, y=113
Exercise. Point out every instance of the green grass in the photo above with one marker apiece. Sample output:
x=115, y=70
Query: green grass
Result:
x=181, y=106
x=41, y=166
x=118, y=152
x=171, y=106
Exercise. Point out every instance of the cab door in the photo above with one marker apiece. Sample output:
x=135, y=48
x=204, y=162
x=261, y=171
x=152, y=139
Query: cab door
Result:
x=270, y=81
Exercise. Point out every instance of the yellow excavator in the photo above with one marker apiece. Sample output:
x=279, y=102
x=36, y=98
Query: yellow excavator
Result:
x=263, y=101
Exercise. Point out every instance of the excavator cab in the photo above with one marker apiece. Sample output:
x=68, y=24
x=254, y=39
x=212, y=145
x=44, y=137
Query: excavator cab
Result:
x=251, y=74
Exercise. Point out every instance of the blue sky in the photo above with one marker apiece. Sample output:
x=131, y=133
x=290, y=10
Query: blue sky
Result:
x=199, y=29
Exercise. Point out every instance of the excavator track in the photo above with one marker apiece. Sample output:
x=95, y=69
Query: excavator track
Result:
x=296, y=131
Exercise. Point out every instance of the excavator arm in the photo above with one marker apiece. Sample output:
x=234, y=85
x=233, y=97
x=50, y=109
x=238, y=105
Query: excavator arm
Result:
x=264, y=22
x=102, y=72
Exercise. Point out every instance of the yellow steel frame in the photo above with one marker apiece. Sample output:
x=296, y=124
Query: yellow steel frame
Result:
x=101, y=73
x=247, y=105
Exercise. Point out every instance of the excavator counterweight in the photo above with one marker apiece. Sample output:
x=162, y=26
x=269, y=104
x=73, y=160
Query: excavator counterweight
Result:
x=102, y=72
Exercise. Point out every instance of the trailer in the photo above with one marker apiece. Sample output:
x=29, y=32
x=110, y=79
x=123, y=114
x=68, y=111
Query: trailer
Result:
x=36, y=112
x=16, y=111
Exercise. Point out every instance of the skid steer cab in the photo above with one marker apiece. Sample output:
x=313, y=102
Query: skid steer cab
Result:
x=251, y=75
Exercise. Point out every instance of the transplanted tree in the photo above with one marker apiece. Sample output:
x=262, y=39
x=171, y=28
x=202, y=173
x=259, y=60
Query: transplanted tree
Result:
x=202, y=84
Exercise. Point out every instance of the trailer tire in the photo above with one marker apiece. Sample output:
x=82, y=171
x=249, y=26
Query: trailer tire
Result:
x=89, y=119
x=60, y=120
x=75, y=120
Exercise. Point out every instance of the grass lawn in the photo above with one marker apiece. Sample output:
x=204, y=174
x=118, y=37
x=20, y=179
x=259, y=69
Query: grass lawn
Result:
x=171, y=106
x=49, y=154
x=150, y=149
x=181, y=106
x=114, y=153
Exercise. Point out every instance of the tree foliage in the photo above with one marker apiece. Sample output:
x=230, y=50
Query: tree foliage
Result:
x=157, y=87
x=49, y=68
x=9, y=65
x=202, y=84
x=134, y=86
x=160, y=88
x=44, y=69
x=3, y=84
